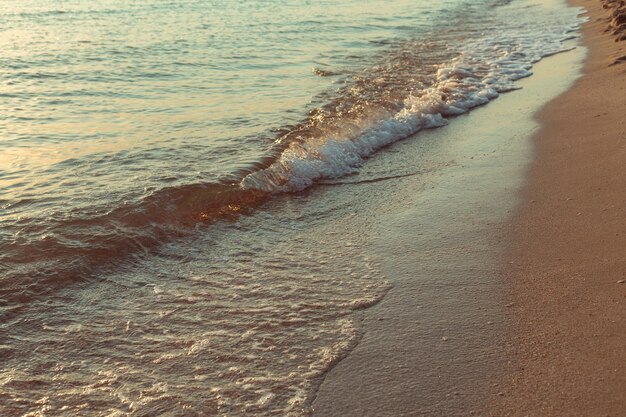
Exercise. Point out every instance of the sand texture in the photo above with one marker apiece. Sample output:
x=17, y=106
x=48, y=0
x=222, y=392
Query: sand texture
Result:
x=567, y=262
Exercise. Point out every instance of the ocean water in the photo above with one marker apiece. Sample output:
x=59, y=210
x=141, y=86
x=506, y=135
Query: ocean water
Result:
x=162, y=247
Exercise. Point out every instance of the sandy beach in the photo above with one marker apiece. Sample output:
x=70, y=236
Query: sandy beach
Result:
x=568, y=255
x=436, y=344
x=511, y=303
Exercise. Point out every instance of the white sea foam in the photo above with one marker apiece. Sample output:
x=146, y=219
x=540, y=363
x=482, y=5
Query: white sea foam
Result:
x=482, y=70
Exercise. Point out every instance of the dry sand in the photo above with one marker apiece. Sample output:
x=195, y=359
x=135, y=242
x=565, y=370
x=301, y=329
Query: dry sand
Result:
x=568, y=256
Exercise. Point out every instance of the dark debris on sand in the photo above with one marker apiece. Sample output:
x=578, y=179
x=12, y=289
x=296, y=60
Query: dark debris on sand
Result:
x=617, y=20
x=616, y=23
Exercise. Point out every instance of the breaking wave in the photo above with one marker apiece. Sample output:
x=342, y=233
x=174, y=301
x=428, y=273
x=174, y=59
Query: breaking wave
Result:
x=474, y=77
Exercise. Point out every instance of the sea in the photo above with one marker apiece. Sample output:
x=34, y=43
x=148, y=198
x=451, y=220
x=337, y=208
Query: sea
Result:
x=181, y=231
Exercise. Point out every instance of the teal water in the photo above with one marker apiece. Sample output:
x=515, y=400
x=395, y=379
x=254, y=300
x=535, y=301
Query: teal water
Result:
x=161, y=252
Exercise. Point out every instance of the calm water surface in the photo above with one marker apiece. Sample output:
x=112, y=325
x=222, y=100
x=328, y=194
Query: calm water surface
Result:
x=157, y=253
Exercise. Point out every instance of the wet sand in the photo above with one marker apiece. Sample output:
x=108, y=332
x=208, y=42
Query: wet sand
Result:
x=568, y=248
x=436, y=344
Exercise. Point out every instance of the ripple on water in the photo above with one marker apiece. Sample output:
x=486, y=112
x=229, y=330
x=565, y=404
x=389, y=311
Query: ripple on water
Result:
x=252, y=319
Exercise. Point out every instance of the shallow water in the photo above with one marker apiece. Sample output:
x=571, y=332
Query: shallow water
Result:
x=153, y=256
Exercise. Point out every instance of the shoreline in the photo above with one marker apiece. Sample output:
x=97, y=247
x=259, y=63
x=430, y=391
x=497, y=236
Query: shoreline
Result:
x=436, y=342
x=567, y=259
